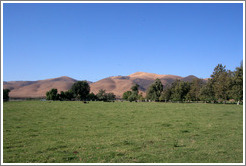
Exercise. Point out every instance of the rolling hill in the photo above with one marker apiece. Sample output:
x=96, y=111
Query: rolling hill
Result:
x=116, y=84
x=119, y=84
x=36, y=89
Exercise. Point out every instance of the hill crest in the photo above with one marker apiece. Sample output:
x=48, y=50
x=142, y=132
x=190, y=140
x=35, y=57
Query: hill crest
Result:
x=115, y=84
x=145, y=74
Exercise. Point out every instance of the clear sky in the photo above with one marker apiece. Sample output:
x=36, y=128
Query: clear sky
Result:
x=94, y=41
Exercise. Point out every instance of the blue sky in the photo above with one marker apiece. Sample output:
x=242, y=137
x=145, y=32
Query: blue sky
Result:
x=94, y=41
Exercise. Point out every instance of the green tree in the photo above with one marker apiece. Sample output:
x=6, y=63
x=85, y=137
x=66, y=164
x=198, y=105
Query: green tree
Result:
x=81, y=89
x=110, y=96
x=207, y=91
x=134, y=88
x=92, y=96
x=133, y=94
x=218, y=70
x=67, y=95
x=126, y=95
x=154, y=91
x=166, y=94
x=133, y=97
x=237, y=84
x=221, y=86
x=140, y=97
x=195, y=88
x=180, y=90
x=103, y=96
x=6, y=94
x=221, y=80
x=52, y=94
x=62, y=96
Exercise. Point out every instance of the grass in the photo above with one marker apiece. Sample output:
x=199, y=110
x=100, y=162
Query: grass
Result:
x=121, y=132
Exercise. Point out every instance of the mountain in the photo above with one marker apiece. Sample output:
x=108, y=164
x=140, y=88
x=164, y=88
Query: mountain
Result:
x=116, y=84
x=35, y=89
x=119, y=84
x=188, y=78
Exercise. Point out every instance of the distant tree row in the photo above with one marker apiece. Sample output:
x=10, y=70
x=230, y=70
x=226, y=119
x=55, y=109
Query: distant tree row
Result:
x=223, y=85
x=79, y=91
x=133, y=95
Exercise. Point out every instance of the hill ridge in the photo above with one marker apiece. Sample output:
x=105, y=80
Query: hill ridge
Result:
x=115, y=84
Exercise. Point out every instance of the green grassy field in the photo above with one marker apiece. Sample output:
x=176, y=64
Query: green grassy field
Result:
x=121, y=132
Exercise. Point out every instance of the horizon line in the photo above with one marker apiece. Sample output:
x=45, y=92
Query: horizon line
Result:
x=105, y=77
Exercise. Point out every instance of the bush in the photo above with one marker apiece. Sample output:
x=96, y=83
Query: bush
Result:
x=52, y=95
x=6, y=94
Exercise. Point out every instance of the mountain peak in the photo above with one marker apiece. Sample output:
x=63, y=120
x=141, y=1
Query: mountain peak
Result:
x=145, y=74
x=189, y=78
x=62, y=78
x=116, y=84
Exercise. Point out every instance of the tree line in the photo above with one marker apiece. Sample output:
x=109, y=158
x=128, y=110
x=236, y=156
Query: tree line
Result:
x=222, y=86
x=79, y=91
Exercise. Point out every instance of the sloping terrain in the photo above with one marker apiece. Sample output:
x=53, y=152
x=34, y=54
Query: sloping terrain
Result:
x=35, y=89
x=117, y=84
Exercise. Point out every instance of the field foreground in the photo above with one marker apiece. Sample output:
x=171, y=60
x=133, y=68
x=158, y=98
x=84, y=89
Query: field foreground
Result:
x=121, y=132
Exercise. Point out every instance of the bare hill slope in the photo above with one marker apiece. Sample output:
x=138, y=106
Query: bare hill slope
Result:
x=34, y=89
x=117, y=84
